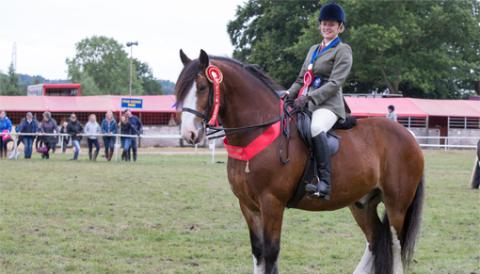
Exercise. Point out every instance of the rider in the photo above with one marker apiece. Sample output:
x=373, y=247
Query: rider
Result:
x=328, y=65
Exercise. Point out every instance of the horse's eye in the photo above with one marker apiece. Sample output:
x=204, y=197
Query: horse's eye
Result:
x=202, y=88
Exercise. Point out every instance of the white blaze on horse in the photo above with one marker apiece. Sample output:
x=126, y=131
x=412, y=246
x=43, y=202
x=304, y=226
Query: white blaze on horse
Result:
x=378, y=161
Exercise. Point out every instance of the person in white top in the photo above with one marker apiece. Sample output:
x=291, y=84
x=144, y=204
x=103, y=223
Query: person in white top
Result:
x=93, y=128
x=391, y=115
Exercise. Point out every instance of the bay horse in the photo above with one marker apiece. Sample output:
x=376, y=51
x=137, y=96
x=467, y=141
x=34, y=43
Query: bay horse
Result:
x=376, y=156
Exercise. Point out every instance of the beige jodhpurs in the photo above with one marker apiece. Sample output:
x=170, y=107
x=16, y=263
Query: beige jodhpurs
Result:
x=322, y=121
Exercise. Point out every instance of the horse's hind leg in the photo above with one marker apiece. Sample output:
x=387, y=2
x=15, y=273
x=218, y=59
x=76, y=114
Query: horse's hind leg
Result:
x=367, y=219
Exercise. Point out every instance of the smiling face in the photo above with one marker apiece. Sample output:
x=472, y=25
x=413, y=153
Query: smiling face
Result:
x=193, y=93
x=330, y=29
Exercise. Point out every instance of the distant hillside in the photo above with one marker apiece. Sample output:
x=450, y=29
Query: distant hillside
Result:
x=168, y=87
x=26, y=80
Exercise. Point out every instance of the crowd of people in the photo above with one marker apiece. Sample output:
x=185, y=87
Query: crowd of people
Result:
x=43, y=135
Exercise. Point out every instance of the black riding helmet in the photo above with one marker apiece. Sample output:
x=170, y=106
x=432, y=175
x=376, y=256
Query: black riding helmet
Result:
x=332, y=11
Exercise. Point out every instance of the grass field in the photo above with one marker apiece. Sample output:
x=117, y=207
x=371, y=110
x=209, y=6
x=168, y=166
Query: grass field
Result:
x=176, y=214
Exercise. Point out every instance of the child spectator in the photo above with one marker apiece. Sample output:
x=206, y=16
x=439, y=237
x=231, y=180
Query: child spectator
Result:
x=65, y=139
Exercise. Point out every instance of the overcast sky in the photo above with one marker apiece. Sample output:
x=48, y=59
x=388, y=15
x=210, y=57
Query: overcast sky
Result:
x=45, y=31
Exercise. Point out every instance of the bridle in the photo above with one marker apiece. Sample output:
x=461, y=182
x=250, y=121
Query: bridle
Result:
x=210, y=116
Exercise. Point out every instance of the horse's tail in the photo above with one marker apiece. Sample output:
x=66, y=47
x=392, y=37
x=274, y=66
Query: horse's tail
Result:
x=411, y=225
x=382, y=242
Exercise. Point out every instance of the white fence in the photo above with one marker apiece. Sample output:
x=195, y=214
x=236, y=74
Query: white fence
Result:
x=436, y=142
x=117, y=138
x=447, y=142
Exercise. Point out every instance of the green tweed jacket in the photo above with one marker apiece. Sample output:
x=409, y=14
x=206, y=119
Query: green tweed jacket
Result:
x=333, y=66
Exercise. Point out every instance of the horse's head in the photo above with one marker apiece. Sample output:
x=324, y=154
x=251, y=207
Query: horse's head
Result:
x=193, y=91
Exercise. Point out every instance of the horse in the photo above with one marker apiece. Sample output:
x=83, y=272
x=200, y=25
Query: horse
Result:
x=376, y=156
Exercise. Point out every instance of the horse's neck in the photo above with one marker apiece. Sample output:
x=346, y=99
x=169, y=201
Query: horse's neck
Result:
x=246, y=102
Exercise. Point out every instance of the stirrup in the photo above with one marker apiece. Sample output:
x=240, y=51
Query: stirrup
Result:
x=312, y=189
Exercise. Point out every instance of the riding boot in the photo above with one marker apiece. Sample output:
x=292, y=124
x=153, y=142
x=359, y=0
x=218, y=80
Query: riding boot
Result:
x=111, y=154
x=127, y=156
x=322, y=157
x=124, y=155
x=90, y=155
x=95, y=154
x=75, y=155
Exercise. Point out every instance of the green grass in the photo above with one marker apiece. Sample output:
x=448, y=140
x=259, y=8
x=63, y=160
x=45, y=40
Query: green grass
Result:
x=176, y=214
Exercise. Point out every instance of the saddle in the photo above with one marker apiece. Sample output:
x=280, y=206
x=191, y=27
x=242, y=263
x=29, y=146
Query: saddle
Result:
x=303, y=123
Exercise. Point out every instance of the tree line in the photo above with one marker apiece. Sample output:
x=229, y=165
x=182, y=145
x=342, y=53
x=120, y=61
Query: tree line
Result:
x=417, y=48
x=102, y=66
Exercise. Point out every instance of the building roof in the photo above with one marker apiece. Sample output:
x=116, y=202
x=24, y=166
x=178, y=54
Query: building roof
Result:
x=414, y=107
x=162, y=103
x=360, y=106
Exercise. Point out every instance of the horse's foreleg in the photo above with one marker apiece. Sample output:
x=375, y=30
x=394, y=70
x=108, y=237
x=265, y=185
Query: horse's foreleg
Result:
x=254, y=223
x=272, y=217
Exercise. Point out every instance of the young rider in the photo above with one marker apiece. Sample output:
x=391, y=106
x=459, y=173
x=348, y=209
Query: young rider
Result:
x=319, y=87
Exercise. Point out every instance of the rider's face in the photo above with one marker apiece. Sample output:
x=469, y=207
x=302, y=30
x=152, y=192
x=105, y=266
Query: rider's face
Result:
x=330, y=29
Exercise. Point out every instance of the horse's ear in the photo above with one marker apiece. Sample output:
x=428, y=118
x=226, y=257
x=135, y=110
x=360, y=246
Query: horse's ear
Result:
x=204, y=61
x=184, y=58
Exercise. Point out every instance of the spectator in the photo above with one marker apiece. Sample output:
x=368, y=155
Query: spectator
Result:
x=73, y=129
x=109, y=126
x=126, y=129
x=48, y=126
x=391, y=113
x=137, y=129
x=28, y=125
x=5, y=129
x=92, y=129
x=65, y=139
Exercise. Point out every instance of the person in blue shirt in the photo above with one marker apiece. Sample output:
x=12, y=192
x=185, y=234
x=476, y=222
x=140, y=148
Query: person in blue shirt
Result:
x=137, y=127
x=28, y=125
x=5, y=129
x=109, y=126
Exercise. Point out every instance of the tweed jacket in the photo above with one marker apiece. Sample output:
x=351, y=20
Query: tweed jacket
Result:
x=333, y=66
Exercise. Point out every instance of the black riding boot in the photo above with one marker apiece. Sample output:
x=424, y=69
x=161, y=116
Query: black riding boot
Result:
x=322, y=157
x=90, y=155
x=95, y=154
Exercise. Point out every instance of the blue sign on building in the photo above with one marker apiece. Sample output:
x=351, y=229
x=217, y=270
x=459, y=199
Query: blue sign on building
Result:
x=132, y=103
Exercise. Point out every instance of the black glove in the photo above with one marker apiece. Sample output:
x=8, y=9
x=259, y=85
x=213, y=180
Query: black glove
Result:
x=301, y=101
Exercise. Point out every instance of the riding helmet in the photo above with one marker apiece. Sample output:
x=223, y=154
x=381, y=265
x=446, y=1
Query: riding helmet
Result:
x=332, y=11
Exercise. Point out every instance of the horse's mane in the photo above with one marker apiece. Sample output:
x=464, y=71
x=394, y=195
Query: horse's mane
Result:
x=193, y=68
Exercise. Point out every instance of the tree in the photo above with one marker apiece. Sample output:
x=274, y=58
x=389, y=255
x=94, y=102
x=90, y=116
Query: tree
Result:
x=101, y=65
x=425, y=48
x=144, y=73
x=10, y=83
x=264, y=31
